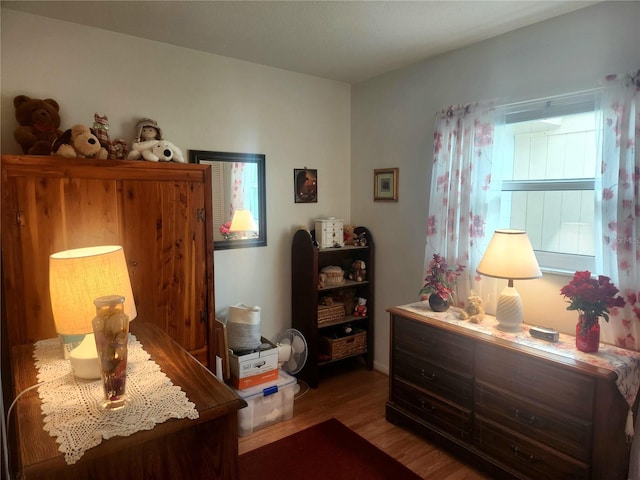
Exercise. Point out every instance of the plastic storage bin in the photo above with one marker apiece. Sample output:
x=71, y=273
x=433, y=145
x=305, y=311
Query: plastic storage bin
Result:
x=267, y=403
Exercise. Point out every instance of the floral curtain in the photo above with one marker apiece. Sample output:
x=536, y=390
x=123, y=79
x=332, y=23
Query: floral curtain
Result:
x=618, y=202
x=237, y=188
x=462, y=190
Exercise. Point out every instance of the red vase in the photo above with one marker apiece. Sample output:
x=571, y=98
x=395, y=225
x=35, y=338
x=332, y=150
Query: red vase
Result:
x=587, y=334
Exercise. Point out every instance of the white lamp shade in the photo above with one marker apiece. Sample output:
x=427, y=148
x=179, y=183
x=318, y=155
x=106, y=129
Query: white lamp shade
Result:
x=77, y=277
x=509, y=255
x=243, y=222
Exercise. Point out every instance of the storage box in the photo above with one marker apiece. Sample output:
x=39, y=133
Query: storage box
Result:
x=329, y=232
x=330, y=313
x=266, y=404
x=254, y=368
x=336, y=348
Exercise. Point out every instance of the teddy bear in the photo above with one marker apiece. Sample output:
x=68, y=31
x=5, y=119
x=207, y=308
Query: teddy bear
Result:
x=473, y=310
x=361, y=240
x=79, y=141
x=360, y=309
x=39, y=124
x=358, y=271
x=158, y=151
x=116, y=149
x=349, y=235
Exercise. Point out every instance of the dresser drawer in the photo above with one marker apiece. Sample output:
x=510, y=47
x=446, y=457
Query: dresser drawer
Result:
x=555, y=387
x=531, y=459
x=457, y=388
x=558, y=430
x=450, y=351
x=442, y=415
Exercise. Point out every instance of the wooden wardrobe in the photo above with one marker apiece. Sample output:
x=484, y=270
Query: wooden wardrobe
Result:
x=159, y=212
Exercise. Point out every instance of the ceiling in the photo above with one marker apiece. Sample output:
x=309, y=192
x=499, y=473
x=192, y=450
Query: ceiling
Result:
x=348, y=41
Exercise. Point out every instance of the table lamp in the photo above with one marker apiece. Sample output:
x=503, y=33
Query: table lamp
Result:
x=76, y=278
x=243, y=222
x=509, y=255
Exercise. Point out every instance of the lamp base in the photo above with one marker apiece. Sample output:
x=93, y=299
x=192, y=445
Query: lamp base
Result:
x=84, y=359
x=509, y=311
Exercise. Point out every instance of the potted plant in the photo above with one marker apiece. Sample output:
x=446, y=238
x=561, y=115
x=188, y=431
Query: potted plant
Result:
x=592, y=298
x=439, y=283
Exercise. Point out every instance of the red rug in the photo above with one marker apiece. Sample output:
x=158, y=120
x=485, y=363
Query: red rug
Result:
x=326, y=451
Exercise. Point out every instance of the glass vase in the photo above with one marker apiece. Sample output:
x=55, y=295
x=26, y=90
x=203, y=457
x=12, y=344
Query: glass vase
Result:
x=587, y=333
x=111, y=331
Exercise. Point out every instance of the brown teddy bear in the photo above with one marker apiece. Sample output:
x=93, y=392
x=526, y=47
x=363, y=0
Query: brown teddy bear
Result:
x=79, y=141
x=358, y=271
x=349, y=235
x=39, y=124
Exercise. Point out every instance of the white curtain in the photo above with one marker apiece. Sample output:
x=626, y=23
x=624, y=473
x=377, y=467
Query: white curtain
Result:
x=236, y=200
x=618, y=205
x=462, y=191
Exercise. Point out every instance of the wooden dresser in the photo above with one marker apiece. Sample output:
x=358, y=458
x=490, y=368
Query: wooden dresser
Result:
x=521, y=410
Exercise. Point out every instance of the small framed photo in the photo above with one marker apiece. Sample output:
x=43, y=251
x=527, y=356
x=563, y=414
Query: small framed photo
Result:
x=305, y=184
x=385, y=185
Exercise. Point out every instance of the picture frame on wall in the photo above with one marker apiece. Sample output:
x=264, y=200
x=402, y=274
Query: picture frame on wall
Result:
x=385, y=184
x=305, y=184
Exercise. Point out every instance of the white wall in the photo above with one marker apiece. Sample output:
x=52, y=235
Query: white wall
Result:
x=202, y=102
x=392, y=126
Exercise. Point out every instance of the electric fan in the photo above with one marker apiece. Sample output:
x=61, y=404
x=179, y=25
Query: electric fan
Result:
x=292, y=353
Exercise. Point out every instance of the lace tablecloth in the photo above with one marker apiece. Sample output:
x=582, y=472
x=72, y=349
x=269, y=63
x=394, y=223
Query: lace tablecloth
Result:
x=625, y=363
x=71, y=406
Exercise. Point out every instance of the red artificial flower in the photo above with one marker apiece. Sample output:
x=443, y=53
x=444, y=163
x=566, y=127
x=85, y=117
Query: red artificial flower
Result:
x=593, y=297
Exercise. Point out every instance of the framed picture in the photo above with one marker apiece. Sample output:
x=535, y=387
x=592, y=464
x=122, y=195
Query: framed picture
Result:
x=385, y=185
x=305, y=184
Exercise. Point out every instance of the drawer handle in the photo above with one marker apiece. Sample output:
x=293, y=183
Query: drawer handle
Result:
x=532, y=379
x=522, y=456
x=428, y=376
x=427, y=406
x=523, y=417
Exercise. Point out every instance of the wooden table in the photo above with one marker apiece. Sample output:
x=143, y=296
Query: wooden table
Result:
x=205, y=448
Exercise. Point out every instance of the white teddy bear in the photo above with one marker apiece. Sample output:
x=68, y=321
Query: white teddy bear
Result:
x=157, y=151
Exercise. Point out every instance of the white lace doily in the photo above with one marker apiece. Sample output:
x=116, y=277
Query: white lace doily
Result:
x=71, y=406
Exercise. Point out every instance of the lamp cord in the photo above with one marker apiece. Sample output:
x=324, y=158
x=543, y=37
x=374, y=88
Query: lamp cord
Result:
x=13, y=404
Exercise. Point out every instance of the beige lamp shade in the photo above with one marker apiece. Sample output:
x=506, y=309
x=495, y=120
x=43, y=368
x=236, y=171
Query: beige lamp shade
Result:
x=77, y=277
x=243, y=221
x=510, y=255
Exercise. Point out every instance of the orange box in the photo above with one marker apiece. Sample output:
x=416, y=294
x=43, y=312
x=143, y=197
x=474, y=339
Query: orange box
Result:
x=253, y=380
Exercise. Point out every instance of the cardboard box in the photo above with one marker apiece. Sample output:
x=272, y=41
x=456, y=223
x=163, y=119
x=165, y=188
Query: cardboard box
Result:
x=266, y=404
x=254, y=368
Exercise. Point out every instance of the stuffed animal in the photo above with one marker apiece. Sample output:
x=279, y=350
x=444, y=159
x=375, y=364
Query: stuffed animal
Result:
x=79, y=141
x=157, y=151
x=349, y=235
x=361, y=240
x=117, y=149
x=358, y=271
x=147, y=130
x=473, y=310
x=360, y=309
x=39, y=124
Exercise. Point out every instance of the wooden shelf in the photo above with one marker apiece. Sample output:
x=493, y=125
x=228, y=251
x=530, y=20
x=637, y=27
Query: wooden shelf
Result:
x=307, y=260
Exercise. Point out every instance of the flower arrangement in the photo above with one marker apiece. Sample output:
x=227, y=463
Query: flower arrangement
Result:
x=440, y=278
x=591, y=297
x=225, y=230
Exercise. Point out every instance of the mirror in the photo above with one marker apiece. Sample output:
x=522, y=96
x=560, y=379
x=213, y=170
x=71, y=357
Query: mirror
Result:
x=238, y=192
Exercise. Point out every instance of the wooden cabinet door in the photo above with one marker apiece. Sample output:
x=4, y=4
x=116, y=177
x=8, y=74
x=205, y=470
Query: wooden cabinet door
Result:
x=159, y=213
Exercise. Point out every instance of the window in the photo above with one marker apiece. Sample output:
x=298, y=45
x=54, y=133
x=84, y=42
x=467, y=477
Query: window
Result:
x=548, y=172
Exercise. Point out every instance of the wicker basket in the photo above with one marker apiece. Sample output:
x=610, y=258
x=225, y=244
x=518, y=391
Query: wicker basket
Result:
x=330, y=313
x=336, y=348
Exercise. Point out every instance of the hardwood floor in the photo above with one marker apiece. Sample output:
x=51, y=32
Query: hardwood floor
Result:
x=357, y=398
